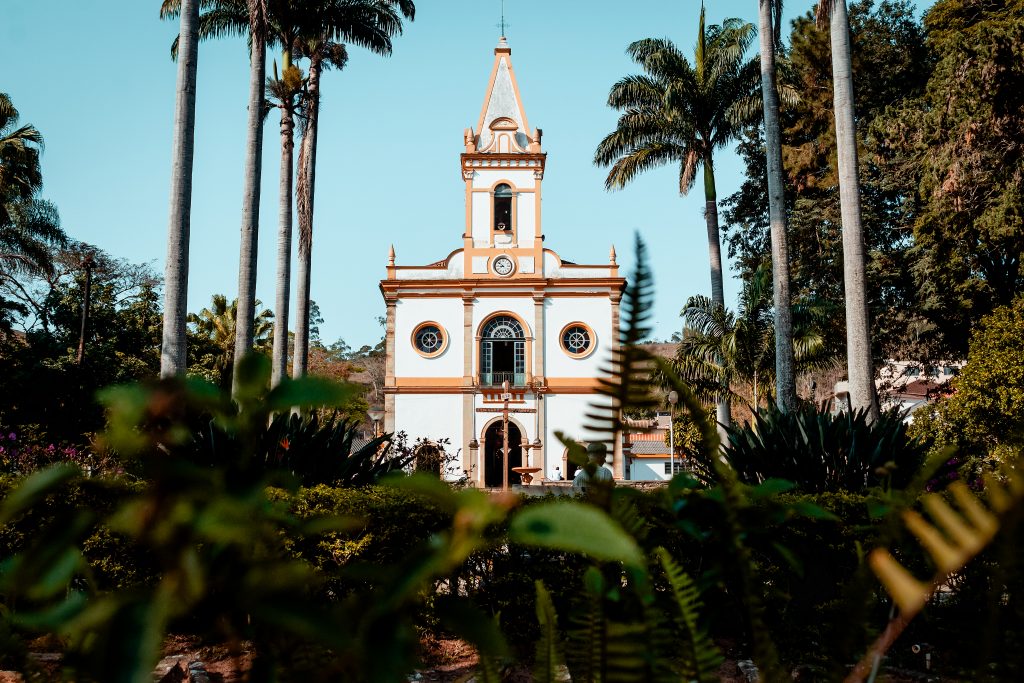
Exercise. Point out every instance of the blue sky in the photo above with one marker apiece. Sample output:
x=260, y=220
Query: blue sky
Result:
x=97, y=80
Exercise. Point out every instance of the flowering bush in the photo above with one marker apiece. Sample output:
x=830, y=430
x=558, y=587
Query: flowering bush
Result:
x=24, y=454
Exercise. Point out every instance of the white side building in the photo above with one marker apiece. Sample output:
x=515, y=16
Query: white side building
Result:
x=500, y=307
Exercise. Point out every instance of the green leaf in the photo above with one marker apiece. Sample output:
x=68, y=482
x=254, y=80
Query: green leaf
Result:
x=575, y=527
x=812, y=511
x=35, y=488
x=468, y=622
x=771, y=487
x=310, y=392
x=55, y=617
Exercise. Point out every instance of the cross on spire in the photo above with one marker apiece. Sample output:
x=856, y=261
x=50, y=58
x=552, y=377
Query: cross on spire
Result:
x=502, y=25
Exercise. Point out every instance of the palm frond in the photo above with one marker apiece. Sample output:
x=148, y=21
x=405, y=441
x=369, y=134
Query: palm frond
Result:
x=632, y=164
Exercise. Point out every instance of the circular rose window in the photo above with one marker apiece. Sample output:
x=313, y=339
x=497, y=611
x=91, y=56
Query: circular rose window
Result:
x=577, y=340
x=429, y=339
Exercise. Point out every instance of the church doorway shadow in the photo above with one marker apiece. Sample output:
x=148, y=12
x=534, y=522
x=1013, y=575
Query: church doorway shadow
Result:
x=493, y=457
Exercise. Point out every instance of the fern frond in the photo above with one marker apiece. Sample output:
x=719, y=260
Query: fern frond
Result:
x=702, y=659
x=585, y=653
x=628, y=382
x=549, y=656
x=952, y=539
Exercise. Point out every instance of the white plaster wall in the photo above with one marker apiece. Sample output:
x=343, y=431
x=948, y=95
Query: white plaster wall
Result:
x=550, y=264
x=567, y=413
x=481, y=218
x=426, y=274
x=409, y=313
x=559, y=312
x=430, y=416
x=516, y=173
x=526, y=421
x=526, y=218
x=648, y=469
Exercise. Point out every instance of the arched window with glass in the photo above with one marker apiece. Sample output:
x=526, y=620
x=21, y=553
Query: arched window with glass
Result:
x=503, y=208
x=503, y=352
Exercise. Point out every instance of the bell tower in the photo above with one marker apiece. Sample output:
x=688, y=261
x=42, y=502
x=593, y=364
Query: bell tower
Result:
x=502, y=167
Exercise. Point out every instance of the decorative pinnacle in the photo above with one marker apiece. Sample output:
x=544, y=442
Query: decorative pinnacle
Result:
x=611, y=256
x=391, y=255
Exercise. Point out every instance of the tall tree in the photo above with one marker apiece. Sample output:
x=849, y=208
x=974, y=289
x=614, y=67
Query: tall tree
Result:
x=29, y=226
x=251, y=18
x=172, y=354
x=249, y=242
x=284, y=91
x=961, y=145
x=859, y=363
x=891, y=66
x=769, y=16
x=680, y=113
x=370, y=24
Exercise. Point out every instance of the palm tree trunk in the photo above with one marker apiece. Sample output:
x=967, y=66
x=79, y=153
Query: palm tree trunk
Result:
x=279, y=365
x=173, y=360
x=249, y=243
x=858, y=340
x=305, y=191
x=717, y=287
x=785, y=373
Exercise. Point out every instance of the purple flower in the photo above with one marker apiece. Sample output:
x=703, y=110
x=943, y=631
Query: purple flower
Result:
x=12, y=436
x=51, y=448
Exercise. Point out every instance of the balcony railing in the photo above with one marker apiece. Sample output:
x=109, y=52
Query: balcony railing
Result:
x=496, y=379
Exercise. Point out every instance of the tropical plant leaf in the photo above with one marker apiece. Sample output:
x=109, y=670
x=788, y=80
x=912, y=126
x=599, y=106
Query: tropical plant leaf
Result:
x=575, y=527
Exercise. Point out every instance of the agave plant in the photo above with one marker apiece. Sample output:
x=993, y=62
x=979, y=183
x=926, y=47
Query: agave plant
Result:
x=819, y=451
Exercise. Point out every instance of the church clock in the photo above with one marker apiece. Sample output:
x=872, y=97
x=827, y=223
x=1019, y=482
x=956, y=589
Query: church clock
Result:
x=503, y=265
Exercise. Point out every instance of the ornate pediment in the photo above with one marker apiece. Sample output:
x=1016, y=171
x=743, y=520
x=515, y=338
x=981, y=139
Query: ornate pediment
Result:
x=504, y=123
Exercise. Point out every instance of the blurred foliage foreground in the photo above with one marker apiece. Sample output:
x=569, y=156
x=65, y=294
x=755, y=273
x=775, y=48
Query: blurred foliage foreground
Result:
x=225, y=529
x=328, y=583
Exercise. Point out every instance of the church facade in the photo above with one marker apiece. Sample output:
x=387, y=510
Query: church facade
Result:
x=501, y=310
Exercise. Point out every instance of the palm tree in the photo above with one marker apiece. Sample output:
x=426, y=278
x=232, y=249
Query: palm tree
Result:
x=722, y=348
x=29, y=226
x=250, y=231
x=367, y=23
x=678, y=112
x=860, y=366
x=219, y=324
x=770, y=15
x=248, y=17
x=283, y=91
x=173, y=360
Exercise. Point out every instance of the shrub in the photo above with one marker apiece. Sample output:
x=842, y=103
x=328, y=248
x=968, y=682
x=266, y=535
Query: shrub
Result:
x=986, y=411
x=819, y=451
x=315, y=449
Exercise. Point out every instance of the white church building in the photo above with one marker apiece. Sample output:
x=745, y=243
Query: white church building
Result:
x=500, y=308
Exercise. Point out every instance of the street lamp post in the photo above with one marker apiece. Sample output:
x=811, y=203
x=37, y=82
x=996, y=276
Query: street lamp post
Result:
x=375, y=414
x=673, y=399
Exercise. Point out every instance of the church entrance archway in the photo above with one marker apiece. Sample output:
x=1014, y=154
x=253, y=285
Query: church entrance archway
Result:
x=493, y=460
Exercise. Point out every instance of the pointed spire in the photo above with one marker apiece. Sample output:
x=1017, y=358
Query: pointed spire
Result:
x=391, y=255
x=502, y=112
x=611, y=256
